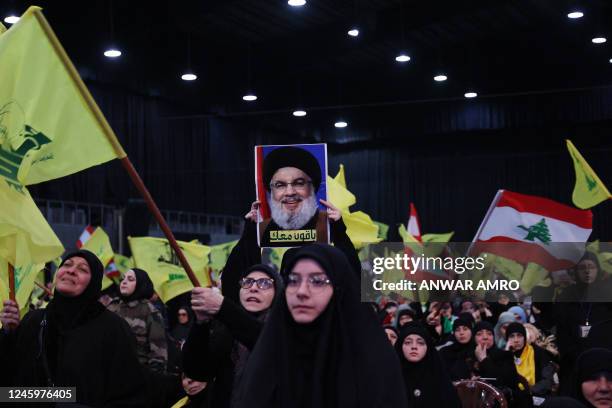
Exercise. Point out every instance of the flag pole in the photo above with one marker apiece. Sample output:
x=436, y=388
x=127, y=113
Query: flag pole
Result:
x=112, y=138
x=11, y=274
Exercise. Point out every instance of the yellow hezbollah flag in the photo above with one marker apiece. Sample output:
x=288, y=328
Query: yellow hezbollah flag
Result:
x=589, y=189
x=99, y=244
x=337, y=192
x=219, y=254
x=24, y=283
x=25, y=236
x=50, y=125
x=123, y=263
x=157, y=258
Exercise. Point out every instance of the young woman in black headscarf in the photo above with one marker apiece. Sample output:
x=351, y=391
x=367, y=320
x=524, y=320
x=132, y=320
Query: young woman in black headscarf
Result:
x=320, y=346
x=532, y=362
x=219, y=349
x=593, y=378
x=460, y=348
x=425, y=376
x=144, y=319
x=74, y=342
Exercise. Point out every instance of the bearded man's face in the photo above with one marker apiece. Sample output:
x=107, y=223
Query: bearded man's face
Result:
x=292, y=198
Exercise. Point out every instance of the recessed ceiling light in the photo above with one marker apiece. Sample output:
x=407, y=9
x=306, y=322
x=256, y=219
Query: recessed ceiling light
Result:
x=299, y=113
x=296, y=3
x=440, y=78
x=189, y=77
x=402, y=58
x=470, y=94
x=599, y=40
x=340, y=124
x=112, y=53
x=250, y=97
x=575, y=14
x=353, y=32
x=11, y=19
x=610, y=60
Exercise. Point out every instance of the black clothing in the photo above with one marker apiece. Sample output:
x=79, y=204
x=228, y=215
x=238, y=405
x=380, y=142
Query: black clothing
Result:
x=247, y=253
x=342, y=359
x=455, y=356
x=218, y=350
x=427, y=382
x=589, y=366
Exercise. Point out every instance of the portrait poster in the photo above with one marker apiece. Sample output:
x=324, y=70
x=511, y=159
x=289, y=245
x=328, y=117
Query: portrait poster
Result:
x=290, y=181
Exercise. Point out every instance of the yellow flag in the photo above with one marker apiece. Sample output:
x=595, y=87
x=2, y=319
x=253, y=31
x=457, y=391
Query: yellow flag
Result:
x=589, y=189
x=123, y=263
x=25, y=236
x=99, y=244
x=50, y=125
x=24, y=283
x=440, y=238
x=360, y=228
x=338, y=194
x=219, y=254
x=2, y=28
x=157, y=258
x=534, y=275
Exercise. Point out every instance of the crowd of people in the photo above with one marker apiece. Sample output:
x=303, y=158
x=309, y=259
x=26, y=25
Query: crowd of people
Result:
x=301, y=337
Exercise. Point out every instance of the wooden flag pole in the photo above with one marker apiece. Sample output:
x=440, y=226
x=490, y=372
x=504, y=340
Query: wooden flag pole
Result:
x=11, y=275
x=112, y=139
x=46, y=289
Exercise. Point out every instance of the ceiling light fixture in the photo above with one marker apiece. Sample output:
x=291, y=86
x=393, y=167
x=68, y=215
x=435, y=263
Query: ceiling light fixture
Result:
x=440, y=78
x=470, y=94
x=112, y=53
x=402, y=58
x=353, y=32
x=575, y=14
x=249, y=97
x=299, y=113
x=296, y=3
x=599, y=40
x=12, y=19
x=189, y=77
x=340, y=124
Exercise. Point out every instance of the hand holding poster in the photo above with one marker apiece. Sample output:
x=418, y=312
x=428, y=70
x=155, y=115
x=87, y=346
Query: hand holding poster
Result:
x=290, y=182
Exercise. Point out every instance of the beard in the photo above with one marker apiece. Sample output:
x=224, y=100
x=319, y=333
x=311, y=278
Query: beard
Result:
x=291, y=220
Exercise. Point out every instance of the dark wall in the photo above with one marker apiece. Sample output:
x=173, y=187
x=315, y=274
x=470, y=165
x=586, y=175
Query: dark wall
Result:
x=447, y=157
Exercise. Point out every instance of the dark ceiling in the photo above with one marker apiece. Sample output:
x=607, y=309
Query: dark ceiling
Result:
x=304, y=56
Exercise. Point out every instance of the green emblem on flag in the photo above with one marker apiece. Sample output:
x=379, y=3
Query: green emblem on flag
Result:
x=10, y=159
x=539, y=231
x=591, y=184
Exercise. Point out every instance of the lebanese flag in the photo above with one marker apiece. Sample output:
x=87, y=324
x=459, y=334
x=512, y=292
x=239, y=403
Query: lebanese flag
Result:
x=111, y=270
x=534, y=229
x=85, y=235
x=414, y=226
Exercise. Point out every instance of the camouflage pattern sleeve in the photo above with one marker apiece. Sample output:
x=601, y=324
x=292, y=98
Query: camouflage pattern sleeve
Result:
x=158, y=353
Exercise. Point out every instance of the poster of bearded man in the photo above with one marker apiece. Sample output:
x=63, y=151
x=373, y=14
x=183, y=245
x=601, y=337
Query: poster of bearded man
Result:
x=290, y=181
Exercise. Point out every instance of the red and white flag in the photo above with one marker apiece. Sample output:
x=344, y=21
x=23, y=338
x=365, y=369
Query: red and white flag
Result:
x=85, y=235
x=414, y=226
x=534, y=229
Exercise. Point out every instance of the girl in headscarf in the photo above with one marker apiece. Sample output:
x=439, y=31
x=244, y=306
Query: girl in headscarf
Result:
x=146, y=322
x=74, y=342
x=219, y=349
x=519, y=314
x=197, y=392
x=321, y=347
x=459, y=349
x=500, y=328
x=531, y=361
x=183, y=325
x=426, y=380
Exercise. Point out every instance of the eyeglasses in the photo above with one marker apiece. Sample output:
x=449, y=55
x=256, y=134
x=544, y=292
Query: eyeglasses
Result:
x=298, y=185
x=262, y=283
x=315, y=282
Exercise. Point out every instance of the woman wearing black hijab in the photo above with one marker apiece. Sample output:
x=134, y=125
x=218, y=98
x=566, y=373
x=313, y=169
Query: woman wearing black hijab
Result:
x=74, y=342
x=144, y=319
x=218, y=350
x=593, y=378
x=320, y=346
x=425, y=377
x=459, y=350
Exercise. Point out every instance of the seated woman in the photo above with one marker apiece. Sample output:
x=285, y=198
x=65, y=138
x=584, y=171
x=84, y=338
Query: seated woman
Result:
x=146, y=322
x=219, y=344
x=425, y=377
x=74, y=342
x=321, y=347
x=532, y=362
x=462, y=347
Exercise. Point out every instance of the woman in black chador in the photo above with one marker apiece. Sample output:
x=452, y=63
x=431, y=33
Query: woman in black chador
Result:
x=321, y=347
x=425, y=377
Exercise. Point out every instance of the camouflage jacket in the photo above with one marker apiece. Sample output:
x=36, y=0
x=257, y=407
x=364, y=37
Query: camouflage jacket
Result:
x=147, y=325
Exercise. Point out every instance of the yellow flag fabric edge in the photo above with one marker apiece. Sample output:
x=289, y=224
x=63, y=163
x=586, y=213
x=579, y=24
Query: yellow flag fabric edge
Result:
x=91, y=103
x=577, y=156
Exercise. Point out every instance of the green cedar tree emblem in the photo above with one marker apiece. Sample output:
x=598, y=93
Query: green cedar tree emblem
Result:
x=539, y=231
